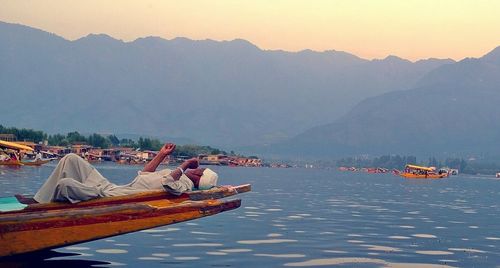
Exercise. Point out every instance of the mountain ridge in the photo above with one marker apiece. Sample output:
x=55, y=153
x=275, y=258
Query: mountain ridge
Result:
x=222, y=93
x=452, y=110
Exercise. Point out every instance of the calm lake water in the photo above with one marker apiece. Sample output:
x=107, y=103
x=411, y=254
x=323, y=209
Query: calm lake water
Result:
x=302, y=218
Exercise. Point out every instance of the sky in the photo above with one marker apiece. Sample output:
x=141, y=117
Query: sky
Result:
x=411, y=29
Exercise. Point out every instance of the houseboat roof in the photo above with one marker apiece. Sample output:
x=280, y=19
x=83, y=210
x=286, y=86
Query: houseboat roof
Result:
x=15, y=146
x=419, y=167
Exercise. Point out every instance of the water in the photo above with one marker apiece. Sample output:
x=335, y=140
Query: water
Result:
x=303, y=218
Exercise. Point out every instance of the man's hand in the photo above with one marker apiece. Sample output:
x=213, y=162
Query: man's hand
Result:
x=167, y=149
x=191, y=163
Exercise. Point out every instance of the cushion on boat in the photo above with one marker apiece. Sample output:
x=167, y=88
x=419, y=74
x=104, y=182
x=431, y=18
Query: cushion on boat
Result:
x=10, y=204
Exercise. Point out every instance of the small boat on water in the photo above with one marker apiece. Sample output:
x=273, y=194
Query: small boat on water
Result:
x=420, y=172
x=26, y=226
x=37, y=162
x=11, y=162
x=12, y=149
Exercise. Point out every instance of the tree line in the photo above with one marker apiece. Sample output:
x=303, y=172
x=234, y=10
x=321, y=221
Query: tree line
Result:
x=398, y=162
x=105, y=141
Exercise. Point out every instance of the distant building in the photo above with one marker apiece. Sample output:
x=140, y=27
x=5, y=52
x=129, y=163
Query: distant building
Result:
x=80, y=149
x=57, y=150
x=213, y=159
x=8, y=137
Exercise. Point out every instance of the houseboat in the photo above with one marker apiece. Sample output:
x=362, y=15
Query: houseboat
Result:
x=420, y=172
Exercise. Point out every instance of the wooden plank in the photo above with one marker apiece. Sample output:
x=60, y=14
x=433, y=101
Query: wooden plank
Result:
x=214, y=193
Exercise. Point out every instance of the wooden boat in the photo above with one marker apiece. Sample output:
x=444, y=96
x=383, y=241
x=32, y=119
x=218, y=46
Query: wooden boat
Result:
x=419, y=172
x=11, y=163
x=15, y=147
x=37, y=162
x=43, y=226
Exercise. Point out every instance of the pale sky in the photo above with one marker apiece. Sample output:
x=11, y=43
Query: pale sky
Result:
x=411, y=29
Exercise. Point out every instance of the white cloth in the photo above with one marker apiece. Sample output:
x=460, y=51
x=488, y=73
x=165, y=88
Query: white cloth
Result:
x=208, y=179
x=75, y=180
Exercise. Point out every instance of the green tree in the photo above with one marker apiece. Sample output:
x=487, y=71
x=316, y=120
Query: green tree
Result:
x=74, y=137
x=113, y=140
x=97, y=140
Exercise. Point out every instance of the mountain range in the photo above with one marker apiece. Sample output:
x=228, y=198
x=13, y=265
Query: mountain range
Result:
x=220, y=93
x=452, y=110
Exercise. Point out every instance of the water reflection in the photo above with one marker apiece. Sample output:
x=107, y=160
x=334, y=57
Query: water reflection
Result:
x=50, y=258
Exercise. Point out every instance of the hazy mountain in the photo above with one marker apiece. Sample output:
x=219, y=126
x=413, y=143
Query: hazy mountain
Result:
x=225, y=93
x=454, y=109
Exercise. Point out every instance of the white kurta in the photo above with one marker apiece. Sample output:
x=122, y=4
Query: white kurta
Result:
x=75, y=180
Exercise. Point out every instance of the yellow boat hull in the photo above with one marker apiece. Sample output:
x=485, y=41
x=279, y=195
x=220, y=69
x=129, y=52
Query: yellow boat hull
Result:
x=422, y=176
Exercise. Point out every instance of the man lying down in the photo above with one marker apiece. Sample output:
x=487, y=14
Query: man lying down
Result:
x=75, y=180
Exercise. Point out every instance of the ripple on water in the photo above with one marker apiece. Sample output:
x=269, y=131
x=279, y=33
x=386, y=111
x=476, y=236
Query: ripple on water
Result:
x=340, y=261
x=274, y=235
x=216, y=253
x=424, y=235
x=493, y=238
x=77, y=248
x=399, y=237
x=382, y=248
x=150, y=258
x=335, y=251
x=266, y=241
x=160, y=255
x=235, y=250
x=468, y=250
x=198, y=245
x=111, y=251
x=204, y=233
x=355, y=235
x=170, y=229
x=186, y=258
x=110, y=263
x=290, y=255
x=433, y=252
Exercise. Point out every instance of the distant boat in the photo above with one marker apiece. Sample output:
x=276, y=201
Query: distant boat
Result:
x=16, y=147
x=11, y=162
x=37, y=162
x=420, y=172
x=497, y=175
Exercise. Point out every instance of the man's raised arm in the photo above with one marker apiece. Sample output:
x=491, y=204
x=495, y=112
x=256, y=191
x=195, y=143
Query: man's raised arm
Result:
x=166, y=150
